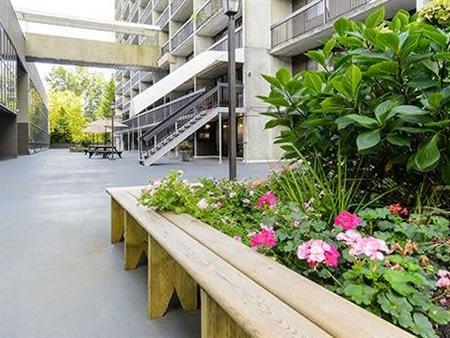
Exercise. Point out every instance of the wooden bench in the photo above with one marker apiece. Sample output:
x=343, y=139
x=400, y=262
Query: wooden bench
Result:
x=243, y=293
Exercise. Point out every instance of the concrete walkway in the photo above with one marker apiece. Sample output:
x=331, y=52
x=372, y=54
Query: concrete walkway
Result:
x=59, y=274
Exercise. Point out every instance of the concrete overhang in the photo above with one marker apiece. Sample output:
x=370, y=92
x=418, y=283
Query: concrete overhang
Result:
x=75, y=22
x=64, y=50
x=312, y=39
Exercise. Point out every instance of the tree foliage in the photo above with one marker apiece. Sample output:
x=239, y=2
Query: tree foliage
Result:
x=107, y=99
x=382, y=93
x=66, y=117
x=90, y=86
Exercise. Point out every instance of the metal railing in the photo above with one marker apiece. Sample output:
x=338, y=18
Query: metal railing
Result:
x=163, y=19
x=175, y=4
x=147, y=11
x=165, y=48
x=311, y=16
x=119, y=101
x=134, y=8
x=126, y=106
x=222, y=44
x=135, y=79
x=182, y=34
x=208, y=11
x=198, y=103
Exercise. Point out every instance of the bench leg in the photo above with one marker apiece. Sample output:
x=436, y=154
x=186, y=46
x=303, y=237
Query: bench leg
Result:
x=117, y=222
x=135, y=243
x=165, y=277
x=216, y=323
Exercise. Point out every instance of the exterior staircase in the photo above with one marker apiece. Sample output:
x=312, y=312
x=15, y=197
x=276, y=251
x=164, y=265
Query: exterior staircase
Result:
x=177, y=127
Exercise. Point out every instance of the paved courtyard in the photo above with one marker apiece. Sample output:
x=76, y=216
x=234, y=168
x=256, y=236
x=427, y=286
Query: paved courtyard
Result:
x=59, y=274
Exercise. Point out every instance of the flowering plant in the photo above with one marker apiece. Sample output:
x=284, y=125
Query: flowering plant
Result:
x=391, y=263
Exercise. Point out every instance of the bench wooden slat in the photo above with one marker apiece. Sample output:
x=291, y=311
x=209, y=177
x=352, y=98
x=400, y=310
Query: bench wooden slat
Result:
x=254, y=309
x=334, y=314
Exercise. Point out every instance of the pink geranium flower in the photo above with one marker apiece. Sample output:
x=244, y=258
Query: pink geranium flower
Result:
x=350, y=237
x=266, y=237
x=371, y=247
x=267, y=200
x=444, y=279
x=347, y=220
x=318, y=251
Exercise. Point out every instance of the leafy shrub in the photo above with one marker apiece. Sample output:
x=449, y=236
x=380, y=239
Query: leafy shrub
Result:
x=382, y=259
x=382, y=95
x=436, y=12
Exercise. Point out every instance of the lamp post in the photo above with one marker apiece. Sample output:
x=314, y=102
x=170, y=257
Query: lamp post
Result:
x=231, y=8
x=113, y=113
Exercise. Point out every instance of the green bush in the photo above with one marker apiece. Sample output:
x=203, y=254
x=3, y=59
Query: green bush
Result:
x=382, y=94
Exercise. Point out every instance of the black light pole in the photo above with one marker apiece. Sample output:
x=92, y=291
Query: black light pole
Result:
x=113, y=113
x=231, y=8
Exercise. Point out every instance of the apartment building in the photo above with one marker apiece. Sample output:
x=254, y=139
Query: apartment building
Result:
x=23, y=107
x=186, y=98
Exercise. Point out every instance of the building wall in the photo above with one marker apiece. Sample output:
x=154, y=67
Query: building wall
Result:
x=19, y=80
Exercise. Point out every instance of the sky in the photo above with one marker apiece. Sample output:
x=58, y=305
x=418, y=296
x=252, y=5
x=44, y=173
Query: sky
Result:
x=91, y=9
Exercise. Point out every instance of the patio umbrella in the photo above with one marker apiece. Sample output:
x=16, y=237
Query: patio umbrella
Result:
x=100, y=126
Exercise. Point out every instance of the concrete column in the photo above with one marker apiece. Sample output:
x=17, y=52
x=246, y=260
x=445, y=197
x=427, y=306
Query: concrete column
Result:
x=23, y=85
x=8, y=136
x=258, y=142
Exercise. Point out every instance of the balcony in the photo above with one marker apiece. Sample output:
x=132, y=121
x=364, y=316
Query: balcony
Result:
x=209, y=22
x=303, y=29
x=181, y=10
x=182, y=36
x=135, y=79
x=165, y=48
x=161, y=5
x=163, y=18
x=145, y=16
x=222, y=44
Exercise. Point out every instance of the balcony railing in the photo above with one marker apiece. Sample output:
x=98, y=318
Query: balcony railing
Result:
x=311, y=16
x=147, y=11
x=208, y=11
x=135, y=79
x=163, y=19
x=182, y=34
x=175, y=4
x=222, y=44
x=134, y=8
x=165, y=48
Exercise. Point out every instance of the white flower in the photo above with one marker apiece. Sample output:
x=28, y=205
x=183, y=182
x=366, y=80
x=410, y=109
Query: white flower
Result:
x=246, y=201
x=232, y=194
x=203, y=204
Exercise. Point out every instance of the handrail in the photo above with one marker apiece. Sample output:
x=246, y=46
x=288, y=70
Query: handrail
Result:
x=173, y=117
x=294, y=14
x=182, y=34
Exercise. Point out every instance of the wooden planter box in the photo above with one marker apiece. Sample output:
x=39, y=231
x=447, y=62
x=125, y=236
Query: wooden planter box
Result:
x=243, y=293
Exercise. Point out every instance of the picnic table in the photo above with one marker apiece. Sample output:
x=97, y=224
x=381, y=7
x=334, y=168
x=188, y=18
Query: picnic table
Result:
x=102, y=149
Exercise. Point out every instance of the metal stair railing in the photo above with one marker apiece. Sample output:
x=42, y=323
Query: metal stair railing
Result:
x=180, y=121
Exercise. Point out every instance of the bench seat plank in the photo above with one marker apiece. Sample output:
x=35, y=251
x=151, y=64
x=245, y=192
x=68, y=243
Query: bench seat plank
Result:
x=253, y=308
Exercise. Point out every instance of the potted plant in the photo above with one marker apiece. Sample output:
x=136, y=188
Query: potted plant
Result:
x=185, y=149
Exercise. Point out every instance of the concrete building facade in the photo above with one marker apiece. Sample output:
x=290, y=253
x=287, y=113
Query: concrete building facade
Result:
x=270, y=34
x=24, y=125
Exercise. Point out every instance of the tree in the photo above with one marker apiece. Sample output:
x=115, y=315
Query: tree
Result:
x=108, y=98
x=66, y=117
x=87, y=85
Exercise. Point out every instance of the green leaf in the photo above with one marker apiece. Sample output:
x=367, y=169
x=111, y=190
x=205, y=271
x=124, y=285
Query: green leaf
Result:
x=410, y=110
x=277, y=122
x=273, y=81
x=342, y=25
x=398, y=307
x=368, y=139
x=283, y=75
x=352, y=79
x=399, y=281
x=313, y=81
x=445, y=173
x=399, y=140
x=360, y=293
x=331, y=43
x=439, y=315
x=389, y=40
x=383, y=109
x=375, y=19
x=422, y=326
x=435, y=100
x=384, y=67
x=363, y=121
x=428, y=155
x=317, y=56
